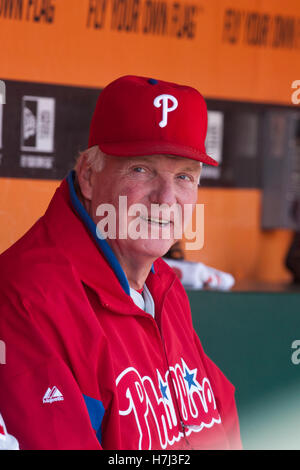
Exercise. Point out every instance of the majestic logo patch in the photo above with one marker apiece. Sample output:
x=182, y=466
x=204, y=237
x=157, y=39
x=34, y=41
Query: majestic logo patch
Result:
x=52, y=394
x=144, y=400
x=163, y=100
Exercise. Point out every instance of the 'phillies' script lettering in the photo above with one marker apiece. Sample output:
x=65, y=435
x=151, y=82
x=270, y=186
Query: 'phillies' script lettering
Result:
x=142, y=399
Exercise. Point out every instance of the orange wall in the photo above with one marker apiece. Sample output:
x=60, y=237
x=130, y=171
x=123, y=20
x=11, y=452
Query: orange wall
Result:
x=233, y=239
x=22, y=202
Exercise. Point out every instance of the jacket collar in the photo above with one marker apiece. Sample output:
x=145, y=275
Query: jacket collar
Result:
x=92, y=228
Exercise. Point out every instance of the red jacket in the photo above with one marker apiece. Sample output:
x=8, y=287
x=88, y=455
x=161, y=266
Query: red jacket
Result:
x=88, y=369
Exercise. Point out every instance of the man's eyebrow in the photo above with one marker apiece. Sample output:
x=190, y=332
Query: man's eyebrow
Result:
x=132, y=160
x=190, y=168
x=142, y=158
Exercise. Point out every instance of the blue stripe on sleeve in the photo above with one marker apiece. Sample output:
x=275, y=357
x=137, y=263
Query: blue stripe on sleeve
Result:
x=96, y=412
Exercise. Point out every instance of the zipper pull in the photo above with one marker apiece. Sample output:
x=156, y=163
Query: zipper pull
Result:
x=184, y=427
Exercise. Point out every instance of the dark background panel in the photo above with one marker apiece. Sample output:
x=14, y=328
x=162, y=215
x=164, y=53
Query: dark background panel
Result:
x=281, y=170
x=73, y=111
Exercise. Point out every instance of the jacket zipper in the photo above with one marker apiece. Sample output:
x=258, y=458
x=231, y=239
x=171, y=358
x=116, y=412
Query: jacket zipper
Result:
x=183, y=426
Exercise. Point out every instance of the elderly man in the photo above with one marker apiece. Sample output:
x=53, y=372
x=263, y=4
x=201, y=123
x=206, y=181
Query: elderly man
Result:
x=101, y=351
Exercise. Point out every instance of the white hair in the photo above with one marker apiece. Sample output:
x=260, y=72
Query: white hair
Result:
x=94, y=157
x=201, y=166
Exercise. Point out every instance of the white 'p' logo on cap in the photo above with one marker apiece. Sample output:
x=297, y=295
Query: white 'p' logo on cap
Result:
x=163, y=100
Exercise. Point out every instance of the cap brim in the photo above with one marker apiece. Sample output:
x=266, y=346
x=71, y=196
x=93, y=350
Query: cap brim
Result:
x=142, y=148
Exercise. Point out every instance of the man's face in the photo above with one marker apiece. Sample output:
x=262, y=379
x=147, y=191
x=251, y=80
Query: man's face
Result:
x=150, y=186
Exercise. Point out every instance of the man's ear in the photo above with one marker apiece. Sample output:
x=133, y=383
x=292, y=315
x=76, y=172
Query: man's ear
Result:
x=84, y=177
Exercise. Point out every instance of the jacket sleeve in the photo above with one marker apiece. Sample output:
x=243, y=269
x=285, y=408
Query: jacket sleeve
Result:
x=40, y=400
x=225, y=398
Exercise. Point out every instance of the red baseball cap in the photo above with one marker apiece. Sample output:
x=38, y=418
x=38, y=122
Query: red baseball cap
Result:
x=137, y=116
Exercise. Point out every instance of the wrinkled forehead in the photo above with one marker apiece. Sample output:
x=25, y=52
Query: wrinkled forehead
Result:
x=159, y=161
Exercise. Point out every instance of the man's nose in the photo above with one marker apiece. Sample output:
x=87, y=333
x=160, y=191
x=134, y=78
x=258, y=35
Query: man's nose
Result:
x=163, y=191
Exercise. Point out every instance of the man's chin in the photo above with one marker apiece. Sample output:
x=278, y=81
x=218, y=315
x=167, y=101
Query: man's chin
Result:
x=151, y=248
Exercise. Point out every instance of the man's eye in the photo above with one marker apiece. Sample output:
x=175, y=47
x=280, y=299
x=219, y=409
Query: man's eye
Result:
x=138, y=169
x=185, y=177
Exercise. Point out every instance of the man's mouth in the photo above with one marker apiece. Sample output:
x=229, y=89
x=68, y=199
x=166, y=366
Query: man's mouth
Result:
x=154, y=220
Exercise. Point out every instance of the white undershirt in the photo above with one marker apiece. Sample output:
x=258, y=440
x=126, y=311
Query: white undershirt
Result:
x=144, y=301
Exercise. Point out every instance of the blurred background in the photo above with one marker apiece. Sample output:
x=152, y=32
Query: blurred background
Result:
x=243, y=56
